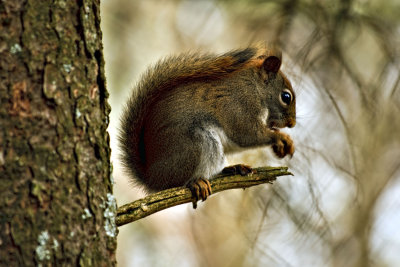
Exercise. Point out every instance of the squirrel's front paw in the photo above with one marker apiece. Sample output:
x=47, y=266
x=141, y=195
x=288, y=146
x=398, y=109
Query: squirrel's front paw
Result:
x=283, y=145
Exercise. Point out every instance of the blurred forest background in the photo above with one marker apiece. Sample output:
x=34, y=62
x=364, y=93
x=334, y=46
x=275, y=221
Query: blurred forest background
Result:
x=342, y=206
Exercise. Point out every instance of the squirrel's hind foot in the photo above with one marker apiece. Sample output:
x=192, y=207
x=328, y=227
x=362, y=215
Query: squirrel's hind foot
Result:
x=201, y=189
x=238, y=169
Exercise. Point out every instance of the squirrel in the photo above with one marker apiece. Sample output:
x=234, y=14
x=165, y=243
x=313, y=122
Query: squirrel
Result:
x=189, y=110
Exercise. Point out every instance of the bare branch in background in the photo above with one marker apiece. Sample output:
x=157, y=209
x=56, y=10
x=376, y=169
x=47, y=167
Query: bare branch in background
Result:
x=343, y=59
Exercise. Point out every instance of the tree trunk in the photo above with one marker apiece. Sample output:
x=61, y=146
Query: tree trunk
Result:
x=56, y=202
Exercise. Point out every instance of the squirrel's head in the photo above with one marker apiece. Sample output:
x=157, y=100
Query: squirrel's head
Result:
x=277, y=94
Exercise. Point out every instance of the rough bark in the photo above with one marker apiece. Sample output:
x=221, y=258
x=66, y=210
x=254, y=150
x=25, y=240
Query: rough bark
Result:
x=56, y=199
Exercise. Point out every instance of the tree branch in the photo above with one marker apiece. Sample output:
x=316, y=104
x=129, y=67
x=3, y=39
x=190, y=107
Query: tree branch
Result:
x=180, y=195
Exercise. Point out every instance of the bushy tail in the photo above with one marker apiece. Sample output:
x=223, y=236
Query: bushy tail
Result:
x=163, y=77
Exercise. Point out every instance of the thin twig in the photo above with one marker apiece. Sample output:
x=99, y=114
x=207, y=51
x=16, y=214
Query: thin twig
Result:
x=180, y=195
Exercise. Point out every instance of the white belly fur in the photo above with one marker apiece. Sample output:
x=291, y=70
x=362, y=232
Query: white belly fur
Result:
x=215, y=145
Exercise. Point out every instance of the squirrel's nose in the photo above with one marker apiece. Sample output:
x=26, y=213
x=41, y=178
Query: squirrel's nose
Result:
x=291, y=123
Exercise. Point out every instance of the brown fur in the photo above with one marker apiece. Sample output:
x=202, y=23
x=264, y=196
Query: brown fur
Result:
x=189, y=110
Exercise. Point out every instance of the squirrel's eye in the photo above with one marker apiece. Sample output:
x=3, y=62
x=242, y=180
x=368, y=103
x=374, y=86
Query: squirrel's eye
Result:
x=286, y=97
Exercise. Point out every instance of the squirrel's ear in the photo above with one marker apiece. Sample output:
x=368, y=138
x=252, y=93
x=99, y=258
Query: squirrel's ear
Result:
x=270, y=55
x=272, y=63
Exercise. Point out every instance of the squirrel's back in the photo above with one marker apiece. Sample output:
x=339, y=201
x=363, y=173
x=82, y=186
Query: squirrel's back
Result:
x=161, y=79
